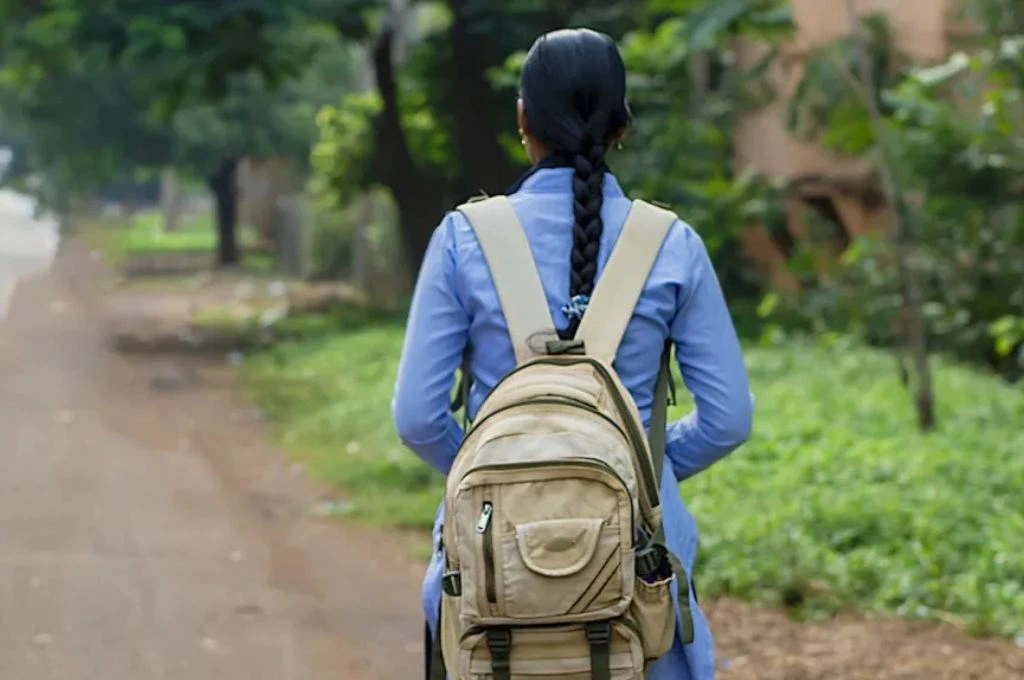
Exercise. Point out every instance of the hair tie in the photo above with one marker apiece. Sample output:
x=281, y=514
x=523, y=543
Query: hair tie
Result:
x=576, y=307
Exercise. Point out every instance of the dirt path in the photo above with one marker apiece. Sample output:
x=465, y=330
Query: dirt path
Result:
x=146, y=530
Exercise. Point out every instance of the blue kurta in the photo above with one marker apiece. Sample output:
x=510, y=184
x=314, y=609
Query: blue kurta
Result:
x=455, y=305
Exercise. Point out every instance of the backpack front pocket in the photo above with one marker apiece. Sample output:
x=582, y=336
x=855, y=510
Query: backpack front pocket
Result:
x=554, y=568
x=544, y=544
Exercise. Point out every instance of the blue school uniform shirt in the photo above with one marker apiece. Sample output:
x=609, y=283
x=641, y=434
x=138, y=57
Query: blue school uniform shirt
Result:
x=455, y=306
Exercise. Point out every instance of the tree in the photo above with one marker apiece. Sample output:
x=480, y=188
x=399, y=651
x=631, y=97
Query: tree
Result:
x=79, y=130
x=447, y=70
x=186, y=56
x=250, y=119
x=689, y=91
x=206, y=68
x=900, y=232
x=952, y=134
x=433, y=148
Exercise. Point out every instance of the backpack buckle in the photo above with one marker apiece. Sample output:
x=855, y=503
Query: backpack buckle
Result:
x=499, y=643
x=451, y=584
x=599, y=633
x=564, y=347
x=650, y=561
x=499, y=640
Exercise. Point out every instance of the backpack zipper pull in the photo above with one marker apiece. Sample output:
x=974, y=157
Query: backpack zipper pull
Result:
x=485, y=518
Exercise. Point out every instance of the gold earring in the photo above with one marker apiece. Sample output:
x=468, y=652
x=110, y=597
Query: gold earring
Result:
x=522, y=137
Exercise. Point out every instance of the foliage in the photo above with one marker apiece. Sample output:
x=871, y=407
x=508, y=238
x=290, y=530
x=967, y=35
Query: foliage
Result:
x=828, y=105
x=957, y=130
x=213, y=82
x=691, y=65
x=189, y=49
x=252, y=119
x=340, y=157
x=685, y=60
x=79, y=130
x=834, y=503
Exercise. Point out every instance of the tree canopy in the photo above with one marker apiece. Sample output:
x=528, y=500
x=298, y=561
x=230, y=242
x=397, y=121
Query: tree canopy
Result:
x=417, y=97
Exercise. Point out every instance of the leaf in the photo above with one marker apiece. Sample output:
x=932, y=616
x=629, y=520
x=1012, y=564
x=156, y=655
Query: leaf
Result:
x=769, y=303
x=943, y=73
x=705, y=25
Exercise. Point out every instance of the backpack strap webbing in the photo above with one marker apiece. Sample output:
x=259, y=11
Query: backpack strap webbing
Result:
x=622, y=281
x=436, y=669
x=499, y=644
x=513, y=270
x=599, y=637
x=659, y=418
x=615, y=297
x=435, y=659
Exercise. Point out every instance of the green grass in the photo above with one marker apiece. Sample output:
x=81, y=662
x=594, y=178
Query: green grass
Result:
x=836, y=502
x=144, y=235
x=259, y=326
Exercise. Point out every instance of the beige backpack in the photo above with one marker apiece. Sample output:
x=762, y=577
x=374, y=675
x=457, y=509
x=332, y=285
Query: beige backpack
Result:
x=556, y=565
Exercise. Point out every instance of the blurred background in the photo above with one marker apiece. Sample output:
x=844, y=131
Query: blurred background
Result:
x=211, y=217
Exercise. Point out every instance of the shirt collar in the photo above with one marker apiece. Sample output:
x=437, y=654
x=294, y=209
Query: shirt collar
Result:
x=553, y=175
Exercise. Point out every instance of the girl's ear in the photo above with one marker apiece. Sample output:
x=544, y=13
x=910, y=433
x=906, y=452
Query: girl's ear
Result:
x=619, y=138
x=524, y=126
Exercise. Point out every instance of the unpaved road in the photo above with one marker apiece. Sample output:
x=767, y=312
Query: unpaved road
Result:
x=147, y=532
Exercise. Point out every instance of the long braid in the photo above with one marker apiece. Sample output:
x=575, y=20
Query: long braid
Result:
x=588, y=197
x=573, y=98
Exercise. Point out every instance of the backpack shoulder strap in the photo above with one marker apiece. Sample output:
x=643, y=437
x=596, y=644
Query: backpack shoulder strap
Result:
x=513, y=270
x=622, y=281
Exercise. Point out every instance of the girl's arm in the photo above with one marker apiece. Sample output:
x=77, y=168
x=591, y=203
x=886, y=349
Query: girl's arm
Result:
x=435, y=339
x=712, y=366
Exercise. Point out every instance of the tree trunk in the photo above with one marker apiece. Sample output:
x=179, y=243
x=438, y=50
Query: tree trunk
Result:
x=170, y=199
x=915, y=329
x=223, y=184
x=420, y=198
x=484, y=163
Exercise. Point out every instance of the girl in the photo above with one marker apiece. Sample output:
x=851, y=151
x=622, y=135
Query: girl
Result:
x=572, y=109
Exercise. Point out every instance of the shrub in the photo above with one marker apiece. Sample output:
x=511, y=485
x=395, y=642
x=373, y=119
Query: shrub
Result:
x=836, y=501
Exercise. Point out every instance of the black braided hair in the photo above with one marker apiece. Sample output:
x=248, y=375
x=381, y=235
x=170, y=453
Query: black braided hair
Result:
x=574, y=97
x=588, y=197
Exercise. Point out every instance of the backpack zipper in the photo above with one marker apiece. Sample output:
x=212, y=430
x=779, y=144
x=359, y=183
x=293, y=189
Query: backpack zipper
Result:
x=634, y=436
x=485, y=522
x=552, y=400
x=483, y=526
x=572, y=462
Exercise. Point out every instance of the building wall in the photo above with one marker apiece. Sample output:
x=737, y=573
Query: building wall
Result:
x=921, y=29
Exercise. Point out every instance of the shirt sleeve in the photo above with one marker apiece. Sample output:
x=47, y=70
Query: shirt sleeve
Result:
x=435, y=339
x=711, y=363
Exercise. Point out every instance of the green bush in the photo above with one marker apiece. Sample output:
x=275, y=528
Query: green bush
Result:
x=836, y=502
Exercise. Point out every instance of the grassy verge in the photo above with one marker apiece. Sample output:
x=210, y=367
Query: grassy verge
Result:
x=253, y=327
x=143, y=234
x=837, y=502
